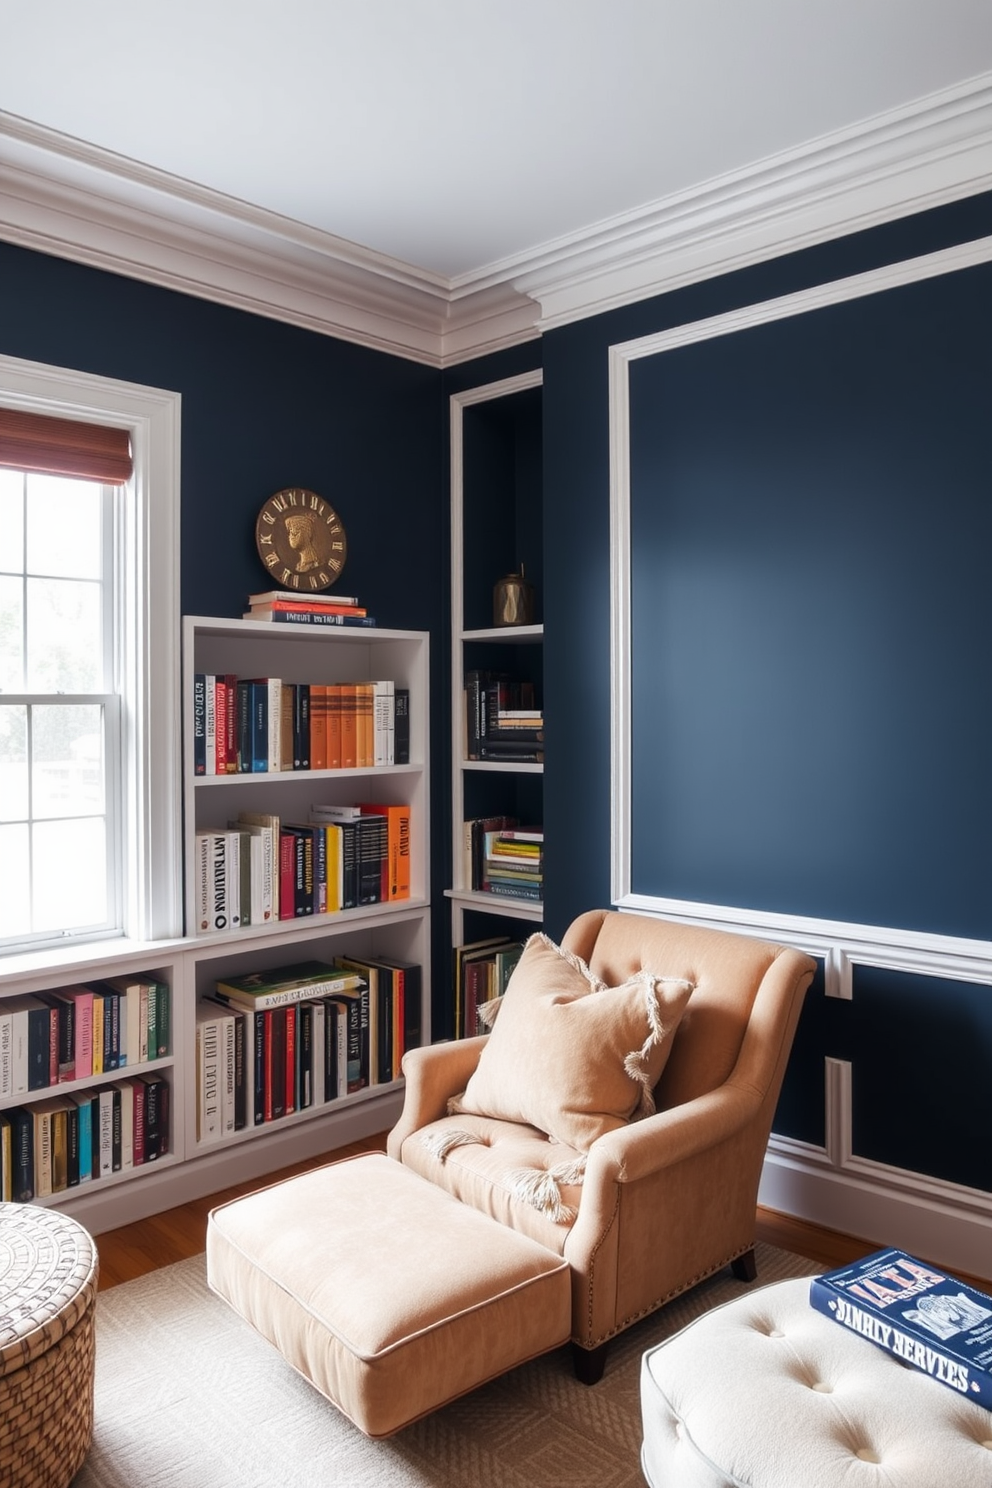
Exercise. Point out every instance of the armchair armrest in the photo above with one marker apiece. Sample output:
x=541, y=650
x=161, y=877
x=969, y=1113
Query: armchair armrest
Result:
x=433, y=1074
x=670, y=1137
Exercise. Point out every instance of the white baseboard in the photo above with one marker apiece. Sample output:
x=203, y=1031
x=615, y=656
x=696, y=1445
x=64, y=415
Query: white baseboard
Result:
x=942, y=1222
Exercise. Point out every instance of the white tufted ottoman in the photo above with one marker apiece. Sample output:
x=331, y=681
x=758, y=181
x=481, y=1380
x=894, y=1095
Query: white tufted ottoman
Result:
x=767, y=1393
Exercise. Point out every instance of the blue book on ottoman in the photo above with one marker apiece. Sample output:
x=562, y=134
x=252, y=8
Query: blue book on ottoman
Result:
x=924, y=1317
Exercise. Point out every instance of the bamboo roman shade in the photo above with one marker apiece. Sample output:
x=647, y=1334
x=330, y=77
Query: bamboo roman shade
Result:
x=56, y=446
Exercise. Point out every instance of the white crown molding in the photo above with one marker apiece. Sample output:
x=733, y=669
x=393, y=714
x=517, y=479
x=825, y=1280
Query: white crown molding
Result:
x=73, y=200
x=936, y=150
x=76, y=201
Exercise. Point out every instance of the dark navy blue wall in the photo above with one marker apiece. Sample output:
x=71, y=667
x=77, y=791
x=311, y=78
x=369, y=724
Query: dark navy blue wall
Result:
x=938, y=800
x=810, y=539
x=267, y=405
x=264, y=405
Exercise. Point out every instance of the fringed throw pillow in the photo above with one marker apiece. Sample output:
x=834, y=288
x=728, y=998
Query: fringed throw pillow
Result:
x=567, y=1054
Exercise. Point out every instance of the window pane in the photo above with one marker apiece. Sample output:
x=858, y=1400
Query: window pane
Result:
x=13, y=762
x=12, y=520
x=11, y=625
x=15, y=881
x=64, y=636
x=64, y=527
x=67, y=760
x=69, y=875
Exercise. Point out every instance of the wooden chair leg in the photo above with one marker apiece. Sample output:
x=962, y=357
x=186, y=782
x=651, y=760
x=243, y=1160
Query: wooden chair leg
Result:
x=589, y=1363
x=745, y=1267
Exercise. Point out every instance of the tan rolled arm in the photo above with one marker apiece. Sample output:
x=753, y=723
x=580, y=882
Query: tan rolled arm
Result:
x=670, y=1137
x=433, y=1074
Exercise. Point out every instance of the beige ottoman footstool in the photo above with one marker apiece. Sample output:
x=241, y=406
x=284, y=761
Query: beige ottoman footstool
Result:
x=48, y=1284
x=766, y=1392
x=384, y=1291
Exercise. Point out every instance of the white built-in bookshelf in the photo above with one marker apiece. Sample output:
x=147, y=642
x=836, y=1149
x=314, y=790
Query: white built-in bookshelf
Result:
x=190, y=964
x=495, y=526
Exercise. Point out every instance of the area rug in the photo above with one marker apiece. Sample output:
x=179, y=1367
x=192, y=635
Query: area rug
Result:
x=188, y=1395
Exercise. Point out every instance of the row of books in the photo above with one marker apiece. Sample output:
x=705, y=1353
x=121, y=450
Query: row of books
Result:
x=51, y=1038
x=482, y=969
x=306, y=607
x=281, y=1041
x=64, y=1141
x=259, y=868
x=259, y=725
x=504, y=858
x=502, y=719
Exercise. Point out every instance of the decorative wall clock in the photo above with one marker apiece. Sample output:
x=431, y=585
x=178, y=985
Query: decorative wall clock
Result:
x=300, y=540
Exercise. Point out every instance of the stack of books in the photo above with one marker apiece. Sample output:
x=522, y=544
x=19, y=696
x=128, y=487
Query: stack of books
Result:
x=503, y=721
x=276, y=1042
x=503, y=857
x=287, y=607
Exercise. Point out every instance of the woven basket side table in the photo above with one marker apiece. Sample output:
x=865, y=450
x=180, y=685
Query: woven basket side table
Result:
x=48, y=1284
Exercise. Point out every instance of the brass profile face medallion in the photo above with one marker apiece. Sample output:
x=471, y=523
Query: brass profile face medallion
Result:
x=300, y=540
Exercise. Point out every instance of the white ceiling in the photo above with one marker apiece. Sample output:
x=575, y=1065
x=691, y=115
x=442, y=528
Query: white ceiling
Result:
x=459, y=144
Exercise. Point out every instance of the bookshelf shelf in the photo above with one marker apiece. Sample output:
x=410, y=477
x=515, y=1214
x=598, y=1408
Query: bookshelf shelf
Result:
x=496, y=528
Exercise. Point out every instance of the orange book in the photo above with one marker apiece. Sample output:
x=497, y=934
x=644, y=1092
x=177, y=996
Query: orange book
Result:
x=318, y=726
x=349, y=725
x=396, y=869
x=365, y=747
x=334, y=726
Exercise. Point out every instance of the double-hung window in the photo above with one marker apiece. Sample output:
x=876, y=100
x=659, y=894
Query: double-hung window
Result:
x=89, y=776
x=60, y=708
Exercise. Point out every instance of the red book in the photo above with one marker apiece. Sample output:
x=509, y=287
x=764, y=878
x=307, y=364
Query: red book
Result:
x=287, y=875
x=220, y=730
x=291, y=1017
x=231, y=734
x=139, y=1121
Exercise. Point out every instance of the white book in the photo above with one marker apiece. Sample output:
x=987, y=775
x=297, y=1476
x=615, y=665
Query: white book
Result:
x=132, y=1011
x=383, y=722
x=319, y=1052
x=6, y=1051
x=19, y=1049
x=209, y=1115
x=210, y=723
x=106, y=1130
x=127, y=1123
x=146, y=993
x=266, y=829
x=218, y=885
x=232, y=878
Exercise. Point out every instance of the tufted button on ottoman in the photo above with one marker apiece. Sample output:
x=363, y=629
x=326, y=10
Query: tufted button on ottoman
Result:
x=766, y=1392
x=48, y=1283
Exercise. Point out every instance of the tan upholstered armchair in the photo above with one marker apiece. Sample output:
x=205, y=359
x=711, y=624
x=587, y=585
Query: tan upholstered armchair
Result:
x=655, y=1204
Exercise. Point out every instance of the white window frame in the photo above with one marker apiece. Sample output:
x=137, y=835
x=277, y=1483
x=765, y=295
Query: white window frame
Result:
x=150, y=802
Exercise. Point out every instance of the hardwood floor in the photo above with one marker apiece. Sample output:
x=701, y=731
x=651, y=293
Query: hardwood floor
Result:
x=174, y=1235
